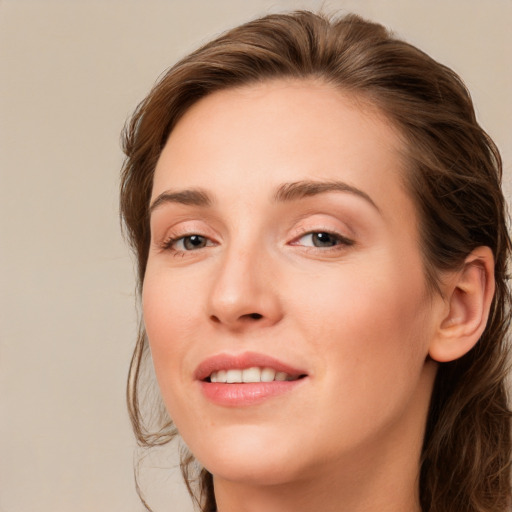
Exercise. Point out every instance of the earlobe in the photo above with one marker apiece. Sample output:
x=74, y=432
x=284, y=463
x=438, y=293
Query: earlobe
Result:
x=469, y=292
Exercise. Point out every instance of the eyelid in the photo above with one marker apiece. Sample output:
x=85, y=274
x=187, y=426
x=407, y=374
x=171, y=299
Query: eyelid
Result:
x=172, y=240
x=344, y=241
x=181, y=230
x=322, y=223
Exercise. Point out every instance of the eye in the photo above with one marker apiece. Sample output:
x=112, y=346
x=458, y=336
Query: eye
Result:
x=322, y=239
x=187, y=243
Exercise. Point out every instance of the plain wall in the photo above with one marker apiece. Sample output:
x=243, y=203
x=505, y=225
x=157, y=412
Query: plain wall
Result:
x=70, y=74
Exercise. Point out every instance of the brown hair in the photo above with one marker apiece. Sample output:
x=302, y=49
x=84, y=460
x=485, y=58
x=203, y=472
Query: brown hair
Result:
x=454, y=175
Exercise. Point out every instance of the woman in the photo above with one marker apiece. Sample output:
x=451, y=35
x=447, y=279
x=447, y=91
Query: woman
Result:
x=322, y=250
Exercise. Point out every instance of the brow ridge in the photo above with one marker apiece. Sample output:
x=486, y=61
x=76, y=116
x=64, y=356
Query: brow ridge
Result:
x=306, y=188
x=192, y=197
x=286, y=192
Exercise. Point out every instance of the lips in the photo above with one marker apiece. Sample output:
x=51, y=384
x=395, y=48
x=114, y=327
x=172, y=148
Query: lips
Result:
x=247, y=375
x=246, y=379
x=247, y=360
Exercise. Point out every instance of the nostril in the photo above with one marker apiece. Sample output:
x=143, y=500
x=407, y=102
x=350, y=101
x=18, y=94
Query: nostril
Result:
x=255, y=316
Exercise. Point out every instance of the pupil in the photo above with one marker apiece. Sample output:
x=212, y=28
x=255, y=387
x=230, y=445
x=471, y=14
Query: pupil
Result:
x=194, y=242
x=323, y=240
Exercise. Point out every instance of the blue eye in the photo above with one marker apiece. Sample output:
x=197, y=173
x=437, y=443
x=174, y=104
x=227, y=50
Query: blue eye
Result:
x=322, y=239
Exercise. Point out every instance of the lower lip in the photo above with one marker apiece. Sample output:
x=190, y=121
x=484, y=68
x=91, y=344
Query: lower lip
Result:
x=251, y=393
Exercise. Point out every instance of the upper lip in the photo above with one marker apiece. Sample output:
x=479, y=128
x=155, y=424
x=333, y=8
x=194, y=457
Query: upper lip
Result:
x=226, y=361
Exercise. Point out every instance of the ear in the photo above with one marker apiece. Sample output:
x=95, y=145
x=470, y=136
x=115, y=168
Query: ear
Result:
x=468, y=292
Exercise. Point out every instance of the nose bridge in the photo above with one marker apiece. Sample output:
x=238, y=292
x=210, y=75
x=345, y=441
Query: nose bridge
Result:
x=242, y=289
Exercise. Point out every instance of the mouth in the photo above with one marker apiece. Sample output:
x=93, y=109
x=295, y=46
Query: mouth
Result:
x=251, y=375
x=246, y=379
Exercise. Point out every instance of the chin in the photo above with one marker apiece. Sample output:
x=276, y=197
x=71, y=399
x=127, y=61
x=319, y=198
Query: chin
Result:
x=268, y=472
x=247, y=455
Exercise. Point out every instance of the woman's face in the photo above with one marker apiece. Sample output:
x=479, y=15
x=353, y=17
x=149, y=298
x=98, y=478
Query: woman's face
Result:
x=284, y=243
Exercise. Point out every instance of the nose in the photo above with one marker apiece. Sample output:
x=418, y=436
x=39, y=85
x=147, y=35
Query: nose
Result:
x=244, y=291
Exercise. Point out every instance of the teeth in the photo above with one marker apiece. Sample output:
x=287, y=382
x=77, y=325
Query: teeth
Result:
x=219, y=376
x=267, y=375
x=234, y=376
x=253, y=374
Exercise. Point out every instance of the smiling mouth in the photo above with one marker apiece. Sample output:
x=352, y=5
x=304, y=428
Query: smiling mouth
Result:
x=247, y=379
x=250, y=375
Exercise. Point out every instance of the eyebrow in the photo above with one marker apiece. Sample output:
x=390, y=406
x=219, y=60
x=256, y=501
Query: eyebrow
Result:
x=285, y=192
x=302, y=189
x=192, y=197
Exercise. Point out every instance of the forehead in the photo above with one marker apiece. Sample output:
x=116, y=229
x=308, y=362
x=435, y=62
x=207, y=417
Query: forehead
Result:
x=281, y=131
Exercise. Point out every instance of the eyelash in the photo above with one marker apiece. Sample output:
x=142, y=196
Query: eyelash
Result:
x=340, y=241
x=167, y=245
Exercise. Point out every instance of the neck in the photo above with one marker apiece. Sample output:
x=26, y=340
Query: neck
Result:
x=357, y=490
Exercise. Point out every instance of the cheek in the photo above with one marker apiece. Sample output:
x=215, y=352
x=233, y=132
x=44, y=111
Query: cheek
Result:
x=170, y=306
x=363, y=304
x=169, y=316
x=371, y=333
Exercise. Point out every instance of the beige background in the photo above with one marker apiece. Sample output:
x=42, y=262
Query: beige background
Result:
x=70, y=74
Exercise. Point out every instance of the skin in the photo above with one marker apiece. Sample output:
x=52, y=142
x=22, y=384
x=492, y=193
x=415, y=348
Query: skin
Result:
x=356, y=315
